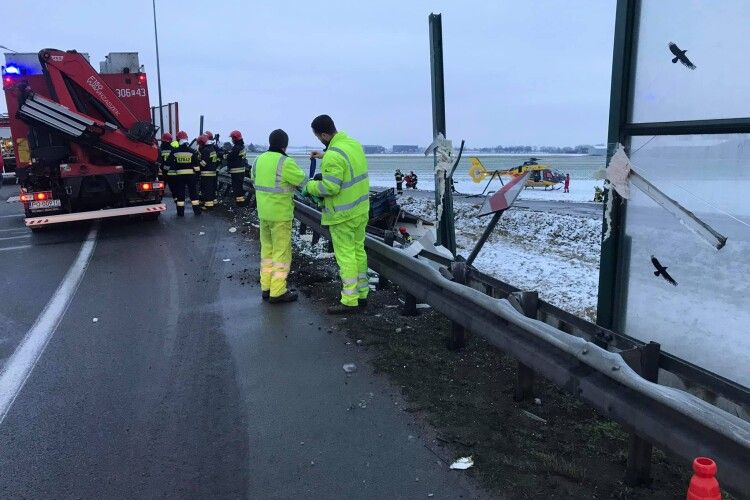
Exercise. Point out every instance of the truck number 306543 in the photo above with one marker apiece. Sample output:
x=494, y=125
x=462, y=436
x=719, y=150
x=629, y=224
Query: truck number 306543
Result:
x=131, y=92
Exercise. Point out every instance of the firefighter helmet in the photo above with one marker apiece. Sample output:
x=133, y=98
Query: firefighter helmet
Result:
x=202, y=139
x=209, y=135
x=182, y=135
x=236, y=135
x=166, y=137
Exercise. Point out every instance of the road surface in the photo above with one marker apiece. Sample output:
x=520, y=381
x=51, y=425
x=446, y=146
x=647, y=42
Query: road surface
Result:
x=133, y=366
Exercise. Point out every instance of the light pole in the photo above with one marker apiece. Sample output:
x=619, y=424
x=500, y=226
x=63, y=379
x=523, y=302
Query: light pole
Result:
x=158, y=70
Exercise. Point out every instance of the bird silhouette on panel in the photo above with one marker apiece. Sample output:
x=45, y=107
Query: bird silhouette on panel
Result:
x=662, y=271
x=679, y=55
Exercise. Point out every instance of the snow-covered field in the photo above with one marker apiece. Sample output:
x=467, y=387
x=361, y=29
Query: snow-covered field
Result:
x=556, y=255
x=580, y=189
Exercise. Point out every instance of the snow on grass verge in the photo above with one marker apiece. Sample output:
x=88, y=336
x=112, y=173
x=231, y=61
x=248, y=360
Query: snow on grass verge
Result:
x=556, y=255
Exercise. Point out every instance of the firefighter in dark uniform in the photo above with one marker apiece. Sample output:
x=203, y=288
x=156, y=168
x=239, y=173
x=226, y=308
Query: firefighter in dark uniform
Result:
x=399, y=181
x=214, y=142
x=237, y=166
x=185, y=163
x=209, y=166
x=165, y=148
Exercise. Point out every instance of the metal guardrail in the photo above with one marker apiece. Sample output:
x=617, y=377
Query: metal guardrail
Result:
x=576, y=359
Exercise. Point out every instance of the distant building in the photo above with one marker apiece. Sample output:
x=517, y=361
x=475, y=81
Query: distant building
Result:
x=405, y=149
x=373, y=150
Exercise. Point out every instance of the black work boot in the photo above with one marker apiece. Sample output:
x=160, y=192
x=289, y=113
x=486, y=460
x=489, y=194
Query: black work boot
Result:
x=266, y=294
x=342, y=309
x=197, y=209
x=288, y=296
x=180, y=211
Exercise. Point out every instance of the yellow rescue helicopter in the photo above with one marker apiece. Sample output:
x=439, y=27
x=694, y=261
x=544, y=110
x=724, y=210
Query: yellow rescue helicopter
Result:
x=542, y=176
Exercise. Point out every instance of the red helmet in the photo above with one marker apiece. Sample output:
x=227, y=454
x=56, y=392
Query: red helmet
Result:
x=236, y=135
x=166, y=137
x=209, y=135
x=202, y=139
x=182, y=135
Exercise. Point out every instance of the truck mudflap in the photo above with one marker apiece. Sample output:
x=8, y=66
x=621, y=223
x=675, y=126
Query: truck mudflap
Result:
x=94, y=214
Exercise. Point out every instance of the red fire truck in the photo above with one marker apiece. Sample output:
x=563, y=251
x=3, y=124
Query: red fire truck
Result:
x=83, y=140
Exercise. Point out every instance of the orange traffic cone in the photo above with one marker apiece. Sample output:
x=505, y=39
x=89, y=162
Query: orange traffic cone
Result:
x=703, y=484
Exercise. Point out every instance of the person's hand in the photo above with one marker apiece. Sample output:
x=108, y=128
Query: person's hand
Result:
x=316, y=154
x=318, y=177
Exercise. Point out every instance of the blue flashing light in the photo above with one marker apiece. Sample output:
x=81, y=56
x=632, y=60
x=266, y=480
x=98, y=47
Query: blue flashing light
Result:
x=12, y=70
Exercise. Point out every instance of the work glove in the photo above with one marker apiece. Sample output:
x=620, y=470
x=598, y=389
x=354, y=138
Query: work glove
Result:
x=318, y=177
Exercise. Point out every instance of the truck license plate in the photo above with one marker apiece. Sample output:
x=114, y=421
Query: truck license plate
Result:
x=44, y=204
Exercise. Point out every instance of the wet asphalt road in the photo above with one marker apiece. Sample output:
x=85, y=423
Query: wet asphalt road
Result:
x=188, y=386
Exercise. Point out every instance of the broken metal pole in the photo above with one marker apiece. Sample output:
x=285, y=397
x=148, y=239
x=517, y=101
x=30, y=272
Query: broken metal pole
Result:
x=483, y=239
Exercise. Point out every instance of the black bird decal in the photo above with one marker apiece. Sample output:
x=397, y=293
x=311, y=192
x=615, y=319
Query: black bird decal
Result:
x=680, y=56
x=662, y=271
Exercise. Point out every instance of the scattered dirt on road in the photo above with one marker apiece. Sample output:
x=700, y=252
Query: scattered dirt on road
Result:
x=553, y=447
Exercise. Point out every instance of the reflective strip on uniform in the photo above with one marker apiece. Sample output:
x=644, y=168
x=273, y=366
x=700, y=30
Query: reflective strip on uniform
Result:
x=171, y=172
x=331, y=178
x=348, y=206
x=349, y=281
x=237, y=170
x=279, y=170
x=180, y=203
x=183, y=157
x=355, y=180
x=273, y=190
x=347, y=291
x=322, y=189
x=185, y=171
x=195, y=202
x=208, y=173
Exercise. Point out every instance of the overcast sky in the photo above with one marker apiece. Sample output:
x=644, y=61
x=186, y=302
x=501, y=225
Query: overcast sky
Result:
x=515, y=72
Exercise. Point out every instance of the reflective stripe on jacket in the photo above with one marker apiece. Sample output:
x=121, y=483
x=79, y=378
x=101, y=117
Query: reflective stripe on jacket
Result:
x=345, y=187
x=184, y=160
x=275, y=176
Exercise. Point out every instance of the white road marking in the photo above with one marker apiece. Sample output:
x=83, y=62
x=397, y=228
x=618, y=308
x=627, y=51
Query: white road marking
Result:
x=19, y=247
x=14, y=229
x=21, y=363
x=14, y=199
x=18, y=216
x=15, y=237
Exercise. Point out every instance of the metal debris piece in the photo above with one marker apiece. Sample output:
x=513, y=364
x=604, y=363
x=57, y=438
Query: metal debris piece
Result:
x=463, y=463
x=350, y=368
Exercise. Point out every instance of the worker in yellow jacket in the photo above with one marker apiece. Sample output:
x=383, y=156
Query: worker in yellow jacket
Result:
x=275, y=175
x=345, y=189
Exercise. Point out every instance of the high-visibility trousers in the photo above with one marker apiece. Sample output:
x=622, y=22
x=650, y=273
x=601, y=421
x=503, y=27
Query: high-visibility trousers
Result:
x=348, y=239
x=183, y=184
x=238, y=189
x=275, y=255
x=208, y=189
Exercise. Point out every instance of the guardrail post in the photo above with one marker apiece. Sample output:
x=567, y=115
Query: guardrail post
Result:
x=457, y=339
x=525, y=379
x=329, y=246
x=645, y=361
x=315, y=238
x=410, y=306
x=389, y=237
x=302, y=228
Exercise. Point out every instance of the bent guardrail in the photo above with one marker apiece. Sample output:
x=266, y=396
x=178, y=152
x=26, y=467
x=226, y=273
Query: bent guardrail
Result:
x=670, y=418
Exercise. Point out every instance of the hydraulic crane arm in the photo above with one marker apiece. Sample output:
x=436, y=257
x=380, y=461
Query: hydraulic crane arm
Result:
x=86, y=109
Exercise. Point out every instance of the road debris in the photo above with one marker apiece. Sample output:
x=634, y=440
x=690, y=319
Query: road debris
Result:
x=534, y=417
x=232, y=229
x=350, y=367
x=226, y=260
x=201, y=233
x=94, y=320
x=463, y=463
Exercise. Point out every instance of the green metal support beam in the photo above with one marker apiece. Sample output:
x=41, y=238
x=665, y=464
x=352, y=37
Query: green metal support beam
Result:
x=619, y=115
